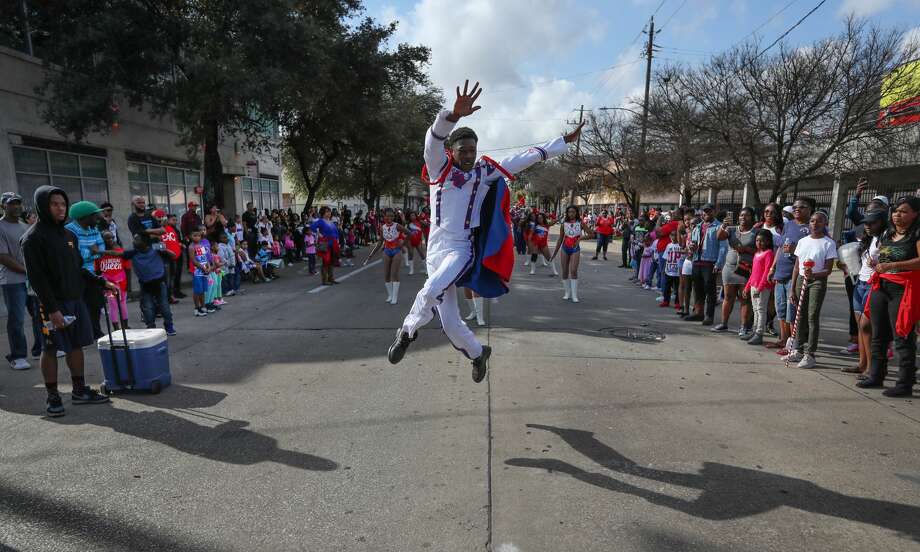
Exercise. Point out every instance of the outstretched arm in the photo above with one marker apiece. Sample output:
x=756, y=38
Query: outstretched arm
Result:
x=554, y=148
x=436, y=158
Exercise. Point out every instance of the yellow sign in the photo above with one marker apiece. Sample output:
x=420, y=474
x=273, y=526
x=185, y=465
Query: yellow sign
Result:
x=900, y=102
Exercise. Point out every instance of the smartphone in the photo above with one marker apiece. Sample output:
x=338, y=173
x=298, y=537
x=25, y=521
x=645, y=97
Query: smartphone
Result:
x=729, y=217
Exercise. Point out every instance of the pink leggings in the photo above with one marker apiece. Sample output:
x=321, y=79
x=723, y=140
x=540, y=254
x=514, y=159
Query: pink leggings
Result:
x=113, y=307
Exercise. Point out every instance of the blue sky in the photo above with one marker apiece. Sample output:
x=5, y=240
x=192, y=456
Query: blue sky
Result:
x=540, y=59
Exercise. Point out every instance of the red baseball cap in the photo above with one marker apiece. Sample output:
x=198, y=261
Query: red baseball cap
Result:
x=192, y=204
x=159, y=213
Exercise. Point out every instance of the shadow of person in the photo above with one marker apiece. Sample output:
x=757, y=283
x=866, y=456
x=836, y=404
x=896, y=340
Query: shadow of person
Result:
x=727, y=492
x=229, y=441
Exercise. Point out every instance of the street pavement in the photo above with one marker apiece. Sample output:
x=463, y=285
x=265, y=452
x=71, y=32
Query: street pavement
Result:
x=286, y=429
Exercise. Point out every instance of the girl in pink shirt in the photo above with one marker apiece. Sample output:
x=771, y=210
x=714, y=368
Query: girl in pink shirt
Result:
x=759, y=286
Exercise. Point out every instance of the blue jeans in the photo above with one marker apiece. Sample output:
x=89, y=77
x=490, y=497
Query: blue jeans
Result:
x=14, y=295
x=152, y=298
x=662, y=277
x=784, y=311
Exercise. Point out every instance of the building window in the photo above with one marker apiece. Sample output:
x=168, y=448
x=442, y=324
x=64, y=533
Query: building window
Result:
x=166, y=188
x=82, y=177
x=263, y=193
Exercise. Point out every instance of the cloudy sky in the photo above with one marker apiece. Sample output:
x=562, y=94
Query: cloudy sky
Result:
x=539, y=60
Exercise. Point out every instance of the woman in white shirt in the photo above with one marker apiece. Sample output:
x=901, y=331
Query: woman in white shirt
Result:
x=875, y=222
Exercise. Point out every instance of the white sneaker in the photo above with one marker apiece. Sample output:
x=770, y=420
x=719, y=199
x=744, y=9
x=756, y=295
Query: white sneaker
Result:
x=659, y=299
x=646, y=286
x=807, y=362
x=20, y=364
x=60, y=354
x=794, y=356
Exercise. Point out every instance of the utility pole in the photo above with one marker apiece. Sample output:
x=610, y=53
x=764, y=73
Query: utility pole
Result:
x=26, y=28
x=581, y=116
x=649, y=54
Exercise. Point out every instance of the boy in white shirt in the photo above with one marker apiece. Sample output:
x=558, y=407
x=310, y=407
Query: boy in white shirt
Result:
x=814, y=261
x=673, y=262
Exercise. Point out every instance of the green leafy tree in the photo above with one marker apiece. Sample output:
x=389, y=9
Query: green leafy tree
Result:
x=218, y=67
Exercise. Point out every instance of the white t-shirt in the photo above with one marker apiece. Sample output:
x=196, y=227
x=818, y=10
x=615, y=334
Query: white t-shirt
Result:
x=865, y=272
x=673, y=259
x=777, y=236
x=819, y=250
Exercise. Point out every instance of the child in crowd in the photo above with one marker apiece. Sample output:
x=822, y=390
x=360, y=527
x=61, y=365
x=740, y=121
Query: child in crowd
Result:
x=151, y=273
x=759, y=287
x=289, y=248
x=247, y=265
x=309, y=247
x=215, y=279
x=673, y=262
x=263, y=258
x=111, y=267
x=645, y=267
x=814, y=261
x=230, y=282
x=200, y=258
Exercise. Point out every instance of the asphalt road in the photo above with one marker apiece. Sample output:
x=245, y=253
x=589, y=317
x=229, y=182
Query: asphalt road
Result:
x=286, y=429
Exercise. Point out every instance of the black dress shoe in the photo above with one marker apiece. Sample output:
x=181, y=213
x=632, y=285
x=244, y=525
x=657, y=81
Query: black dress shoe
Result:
x=707, y=322
x=398, y=349
x=694, y=318
x=481, y=364
x=899, y=391
x=870, y=383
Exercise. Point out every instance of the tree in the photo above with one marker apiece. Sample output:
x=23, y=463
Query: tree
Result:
x=322, y=128
x=786, y=118
x=611, y=149
x=217, y=67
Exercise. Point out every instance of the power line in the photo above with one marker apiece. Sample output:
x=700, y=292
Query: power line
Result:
x=790, y=29
x=658, y=8
x=767, y=22
x=672, y=15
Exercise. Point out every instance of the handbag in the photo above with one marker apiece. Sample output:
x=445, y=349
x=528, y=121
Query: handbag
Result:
x=744, y=269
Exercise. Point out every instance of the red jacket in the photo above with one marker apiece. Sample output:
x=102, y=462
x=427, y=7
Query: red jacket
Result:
x=909, y=309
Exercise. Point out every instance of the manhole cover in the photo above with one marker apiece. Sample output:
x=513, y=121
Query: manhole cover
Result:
x=634, y=334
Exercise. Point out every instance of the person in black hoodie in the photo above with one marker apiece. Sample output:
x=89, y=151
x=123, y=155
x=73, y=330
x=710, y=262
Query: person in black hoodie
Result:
x=55, y=271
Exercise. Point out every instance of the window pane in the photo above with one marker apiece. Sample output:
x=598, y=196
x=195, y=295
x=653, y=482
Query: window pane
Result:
x=29, y=160
x=192, y=178
x=176, y=177
x=176, y=200
x=247, y=184
x=275, y=186
x=137, y=172
x=266, y=185
x=71, y=187
x=157, y=174
x=28, y=183
x=159, y=197
x=93, y=167
x=95, y=190
x=64, y=164
x=139, y=189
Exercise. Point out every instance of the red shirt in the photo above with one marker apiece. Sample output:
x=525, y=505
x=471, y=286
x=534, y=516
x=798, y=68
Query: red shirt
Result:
x=605, y=226
x=170, y=240
x=664, y=234
x=112, y=268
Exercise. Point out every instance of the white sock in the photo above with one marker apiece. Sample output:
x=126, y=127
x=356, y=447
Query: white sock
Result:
x=574, y=283
x=411, y=266
x=480, y=315
x=389, y=286
x=567, y=289
x=544, y=260
x=395, y=292
x=472, y=304
x=533, y=268
x=555, y=272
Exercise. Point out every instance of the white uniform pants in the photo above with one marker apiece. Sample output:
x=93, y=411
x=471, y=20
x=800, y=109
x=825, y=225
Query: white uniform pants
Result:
x=439, y=294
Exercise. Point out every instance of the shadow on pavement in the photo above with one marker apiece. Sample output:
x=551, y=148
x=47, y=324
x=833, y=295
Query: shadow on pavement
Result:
x=53, y=516
x=727, y=492
x=229, y=441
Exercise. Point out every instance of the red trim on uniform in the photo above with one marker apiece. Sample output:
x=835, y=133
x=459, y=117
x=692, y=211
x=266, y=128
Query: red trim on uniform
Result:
x=444, y=173
x=495, y=164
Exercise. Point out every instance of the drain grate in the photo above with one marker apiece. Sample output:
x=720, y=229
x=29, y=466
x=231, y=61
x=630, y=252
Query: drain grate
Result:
x=645, y=335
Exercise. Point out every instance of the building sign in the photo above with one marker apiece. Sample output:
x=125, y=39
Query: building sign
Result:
x=900, y=103
x=252, y=169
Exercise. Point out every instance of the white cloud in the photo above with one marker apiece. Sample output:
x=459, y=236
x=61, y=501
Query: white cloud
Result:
x=864, y=8
x=513, y=49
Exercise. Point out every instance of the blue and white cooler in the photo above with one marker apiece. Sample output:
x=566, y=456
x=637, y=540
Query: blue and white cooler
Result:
x=135, y=360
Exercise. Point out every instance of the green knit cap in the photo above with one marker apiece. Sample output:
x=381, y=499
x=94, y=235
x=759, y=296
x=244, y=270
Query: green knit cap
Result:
x=82, y=209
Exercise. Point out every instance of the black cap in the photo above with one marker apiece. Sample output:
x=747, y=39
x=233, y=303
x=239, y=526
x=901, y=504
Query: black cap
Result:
x=875, y=215
x=708, y=207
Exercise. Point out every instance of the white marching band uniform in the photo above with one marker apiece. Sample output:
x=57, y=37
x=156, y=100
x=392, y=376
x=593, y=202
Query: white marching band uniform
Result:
x=456, y=198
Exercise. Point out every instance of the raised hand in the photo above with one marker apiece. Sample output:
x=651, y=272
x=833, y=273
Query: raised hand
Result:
x=463, y=105
x=572, y=136
x=861, y=185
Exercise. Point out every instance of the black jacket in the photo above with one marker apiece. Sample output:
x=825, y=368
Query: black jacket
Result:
x=53, y=262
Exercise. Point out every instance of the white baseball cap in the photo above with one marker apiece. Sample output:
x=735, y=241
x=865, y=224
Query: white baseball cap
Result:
x=882, y=199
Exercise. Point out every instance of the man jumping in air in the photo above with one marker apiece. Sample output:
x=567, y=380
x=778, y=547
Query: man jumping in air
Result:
x=459, y=184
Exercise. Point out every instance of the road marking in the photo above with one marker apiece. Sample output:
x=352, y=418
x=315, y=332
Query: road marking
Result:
x=347, y=276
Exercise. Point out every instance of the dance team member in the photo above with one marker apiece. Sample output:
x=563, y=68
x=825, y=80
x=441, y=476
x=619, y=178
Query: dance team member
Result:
x=391, y=240
x=570, y=242
x=414, y=244
x=540, y=243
